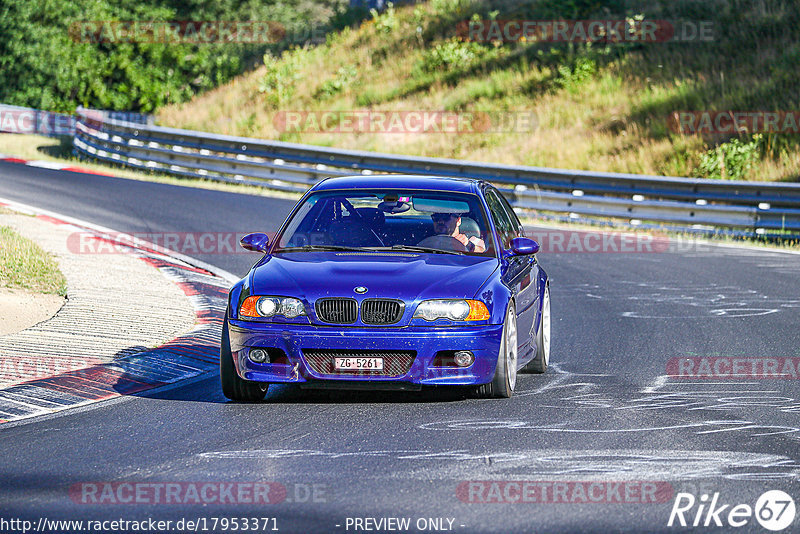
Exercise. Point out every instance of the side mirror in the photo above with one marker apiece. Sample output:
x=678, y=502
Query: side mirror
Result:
x=523, y=246
x=256, y=242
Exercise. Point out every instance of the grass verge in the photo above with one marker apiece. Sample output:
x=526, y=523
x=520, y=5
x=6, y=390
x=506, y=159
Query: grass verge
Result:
x=24, y=265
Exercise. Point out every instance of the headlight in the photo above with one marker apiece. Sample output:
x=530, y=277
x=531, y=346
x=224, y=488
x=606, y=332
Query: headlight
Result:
x=267, y=307
x=257, y=307
x=455, y=310
x=292, y=308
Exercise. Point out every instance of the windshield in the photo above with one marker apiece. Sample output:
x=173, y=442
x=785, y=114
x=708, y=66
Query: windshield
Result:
x=425, y=221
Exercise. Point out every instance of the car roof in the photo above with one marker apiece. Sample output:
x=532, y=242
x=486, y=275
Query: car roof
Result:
x=400, y=181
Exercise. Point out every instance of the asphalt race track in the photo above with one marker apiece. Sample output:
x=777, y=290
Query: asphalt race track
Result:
x=606, y=413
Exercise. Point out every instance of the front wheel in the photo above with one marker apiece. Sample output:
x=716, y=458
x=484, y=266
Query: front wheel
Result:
x=540, y=362
x=233, y=386
x=505, y=375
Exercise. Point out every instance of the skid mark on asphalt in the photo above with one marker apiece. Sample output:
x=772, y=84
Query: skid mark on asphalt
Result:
x=762, y=260
x=564, y=464
x=582, y=391
x=750, y=428
x=655, y=300
x=565, y=391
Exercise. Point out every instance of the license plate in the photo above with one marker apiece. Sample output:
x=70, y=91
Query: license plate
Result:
x=358, y=364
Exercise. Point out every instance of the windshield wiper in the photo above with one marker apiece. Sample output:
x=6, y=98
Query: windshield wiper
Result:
x=412, y=248
x=311, y=248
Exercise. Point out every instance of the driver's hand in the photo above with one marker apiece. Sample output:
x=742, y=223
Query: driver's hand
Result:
x=479, y=244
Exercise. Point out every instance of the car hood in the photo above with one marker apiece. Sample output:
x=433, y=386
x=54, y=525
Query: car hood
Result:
x=405, y=276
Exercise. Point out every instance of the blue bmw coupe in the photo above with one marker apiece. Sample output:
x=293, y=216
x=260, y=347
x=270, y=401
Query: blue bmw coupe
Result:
x=389, y=282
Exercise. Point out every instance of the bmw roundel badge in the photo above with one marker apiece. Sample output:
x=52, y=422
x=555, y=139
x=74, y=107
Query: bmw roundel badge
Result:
x=360, y=290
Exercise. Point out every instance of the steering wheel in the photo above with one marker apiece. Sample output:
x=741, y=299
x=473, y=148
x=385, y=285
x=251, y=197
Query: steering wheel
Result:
x=444, y=242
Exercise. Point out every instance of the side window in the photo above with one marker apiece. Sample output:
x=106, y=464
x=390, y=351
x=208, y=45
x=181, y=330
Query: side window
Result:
x=505, y=227
x=519, y=231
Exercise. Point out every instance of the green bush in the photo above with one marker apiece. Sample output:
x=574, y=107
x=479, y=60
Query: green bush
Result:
x=571, y=76
x=278, y=83
x=343, y=79
x=732, y=160
x=385, y=22
x=451, y=54
x=451, y=7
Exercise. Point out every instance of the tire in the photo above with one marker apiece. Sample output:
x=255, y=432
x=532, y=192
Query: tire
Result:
x=542, y=359
x=505, y=374
x=234, y=387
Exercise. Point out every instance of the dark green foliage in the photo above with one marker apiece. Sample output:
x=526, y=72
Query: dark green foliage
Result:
x=43, y=66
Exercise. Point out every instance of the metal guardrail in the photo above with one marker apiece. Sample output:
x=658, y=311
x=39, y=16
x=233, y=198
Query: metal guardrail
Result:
x=755, y=206
x=20, y=120
x=17, y=119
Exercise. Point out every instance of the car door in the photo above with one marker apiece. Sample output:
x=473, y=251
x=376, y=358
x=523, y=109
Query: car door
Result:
x=517, y=272
x=531, y=285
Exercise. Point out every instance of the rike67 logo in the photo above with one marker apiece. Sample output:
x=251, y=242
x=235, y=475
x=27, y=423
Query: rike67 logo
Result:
x=774, y=510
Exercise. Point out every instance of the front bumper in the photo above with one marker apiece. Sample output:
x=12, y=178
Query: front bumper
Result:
x=293, y=339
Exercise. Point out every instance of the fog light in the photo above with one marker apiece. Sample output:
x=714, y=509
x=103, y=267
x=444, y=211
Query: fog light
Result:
x=258, y=355
x=463, y=358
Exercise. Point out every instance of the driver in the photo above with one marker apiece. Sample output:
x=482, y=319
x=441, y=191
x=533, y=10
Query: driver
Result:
x=449, y=224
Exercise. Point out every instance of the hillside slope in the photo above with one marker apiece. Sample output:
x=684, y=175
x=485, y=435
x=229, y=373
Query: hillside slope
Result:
x=607, y=106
